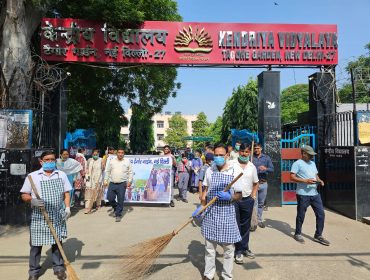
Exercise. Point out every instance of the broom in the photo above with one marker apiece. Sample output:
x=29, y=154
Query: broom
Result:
x=142, y=255
x=70, y=271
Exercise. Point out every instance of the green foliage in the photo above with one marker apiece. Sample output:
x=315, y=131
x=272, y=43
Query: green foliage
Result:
x=141, y=131
x=241, y=109
x=361, y=69
x=215, y=130
x=294, y=100
x=200, y=128
x=176, y=131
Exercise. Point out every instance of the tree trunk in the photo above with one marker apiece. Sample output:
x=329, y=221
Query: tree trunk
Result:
x=18, y=22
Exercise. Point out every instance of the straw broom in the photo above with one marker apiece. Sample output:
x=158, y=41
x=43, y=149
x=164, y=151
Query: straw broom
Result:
x=141, y=256
x=70, y=271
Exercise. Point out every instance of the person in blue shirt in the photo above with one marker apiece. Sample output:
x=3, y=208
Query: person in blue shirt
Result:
x=264, y=166
x=305, y=174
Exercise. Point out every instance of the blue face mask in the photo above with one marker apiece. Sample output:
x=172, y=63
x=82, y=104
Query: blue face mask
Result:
x=48, y=166
x=244, y=159
x=219, y=161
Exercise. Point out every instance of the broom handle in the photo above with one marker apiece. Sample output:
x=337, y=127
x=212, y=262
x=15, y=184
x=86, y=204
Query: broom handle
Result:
x=46, y=216
x=213, y=200
x=252, y=152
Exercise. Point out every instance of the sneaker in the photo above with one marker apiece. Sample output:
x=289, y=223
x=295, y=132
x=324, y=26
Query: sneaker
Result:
x=265, y=208
x=118, y=219
x=172, y=204
x=178, y=198
x=261, y=225
x=299, y=238
x=239, y=259
x=253, y=228
x=249, y=254
x=185, y=200
x=321, y=240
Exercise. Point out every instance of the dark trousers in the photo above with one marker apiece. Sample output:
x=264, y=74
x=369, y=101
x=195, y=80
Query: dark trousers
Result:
x=117, y=190
x=35, y=256
x=303, y=201
x=243, y=210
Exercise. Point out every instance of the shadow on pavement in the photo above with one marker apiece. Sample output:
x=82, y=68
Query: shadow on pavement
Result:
x=284, y=228
x=72, y=248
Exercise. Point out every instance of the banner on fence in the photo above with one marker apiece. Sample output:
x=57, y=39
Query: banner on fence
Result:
x=152, y=179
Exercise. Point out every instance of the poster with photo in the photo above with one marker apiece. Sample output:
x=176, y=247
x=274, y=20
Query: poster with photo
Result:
x=151, y=179
x=15, y=129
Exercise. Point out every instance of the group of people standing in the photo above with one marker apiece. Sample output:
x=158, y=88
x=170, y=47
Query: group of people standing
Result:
x=228, y=221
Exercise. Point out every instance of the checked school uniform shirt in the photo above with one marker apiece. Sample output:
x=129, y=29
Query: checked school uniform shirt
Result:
x=219, y=222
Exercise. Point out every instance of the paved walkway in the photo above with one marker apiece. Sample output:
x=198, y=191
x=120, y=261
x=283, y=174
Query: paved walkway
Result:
x=96, y=245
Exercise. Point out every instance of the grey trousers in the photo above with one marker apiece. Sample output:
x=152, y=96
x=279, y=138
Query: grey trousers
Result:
x=35, y=256
x=183, y=184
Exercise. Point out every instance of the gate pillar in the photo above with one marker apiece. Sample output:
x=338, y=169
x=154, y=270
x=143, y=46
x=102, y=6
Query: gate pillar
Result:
x=269, y=126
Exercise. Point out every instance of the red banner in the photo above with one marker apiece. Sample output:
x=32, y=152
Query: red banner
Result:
x=190, y=43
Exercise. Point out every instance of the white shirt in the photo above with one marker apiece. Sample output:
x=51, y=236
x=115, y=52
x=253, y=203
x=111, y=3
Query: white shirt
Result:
x=229, y=170
x=118, y=171
x=249, y=177
x=39, y=176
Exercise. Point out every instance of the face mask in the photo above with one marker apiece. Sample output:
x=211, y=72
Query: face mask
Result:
x=244, y=159
x=219, y=161
x=237, y=148
x=48, y=166
x=95, y=157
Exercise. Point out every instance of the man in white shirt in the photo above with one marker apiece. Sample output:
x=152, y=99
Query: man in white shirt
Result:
x=244, y=207
x=119, y=176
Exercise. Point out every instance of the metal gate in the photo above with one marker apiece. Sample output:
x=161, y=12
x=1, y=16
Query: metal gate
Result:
x=290, y=145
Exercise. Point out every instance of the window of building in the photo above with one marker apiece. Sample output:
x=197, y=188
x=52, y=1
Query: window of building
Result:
x=160, y=137
x=160, y=124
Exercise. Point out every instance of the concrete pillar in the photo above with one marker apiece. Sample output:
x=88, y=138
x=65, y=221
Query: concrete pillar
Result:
x=269, y=126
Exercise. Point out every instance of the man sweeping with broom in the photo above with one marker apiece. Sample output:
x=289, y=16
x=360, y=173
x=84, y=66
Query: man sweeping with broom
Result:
x=52, y=190
x=219, y=226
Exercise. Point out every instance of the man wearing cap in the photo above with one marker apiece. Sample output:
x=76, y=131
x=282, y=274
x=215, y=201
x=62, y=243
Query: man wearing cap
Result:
x=305, y=174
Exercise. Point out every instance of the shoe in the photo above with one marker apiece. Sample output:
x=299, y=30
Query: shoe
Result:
x=261, y=225
x=33, y=278
x=118, y=219
x=249, y=254
x=185, y=200
x=178, y=198
x=172, y=204
x=253, y=228
x=88, y=211
x=321, y=240
x=265, y=208
x=206, y=278
x=299, y=238
x=61, y=274
x=239, y=259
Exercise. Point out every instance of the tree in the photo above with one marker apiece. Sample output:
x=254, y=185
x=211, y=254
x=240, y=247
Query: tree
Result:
x=200, y=128
x=176, y=131
x=294, y=100
x=241, y=110
x=148, y=86
x=215, y=129
x=361, y=71
x=141, y=131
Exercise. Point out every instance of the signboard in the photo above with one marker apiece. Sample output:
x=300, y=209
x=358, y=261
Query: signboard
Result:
x=363, y=118
x=152, y=179
x=190, y=43
x=15, y=129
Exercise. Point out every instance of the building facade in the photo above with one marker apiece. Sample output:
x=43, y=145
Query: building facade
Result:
x=160, y=125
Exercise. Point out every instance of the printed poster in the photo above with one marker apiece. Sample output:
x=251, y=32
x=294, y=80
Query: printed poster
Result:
x=151, y=179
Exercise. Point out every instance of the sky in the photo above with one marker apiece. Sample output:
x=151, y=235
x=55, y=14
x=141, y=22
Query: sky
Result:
x=208, y=89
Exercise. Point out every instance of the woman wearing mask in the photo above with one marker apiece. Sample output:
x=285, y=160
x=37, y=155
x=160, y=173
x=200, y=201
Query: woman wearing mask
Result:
x=183, y=171
x=94, y=190
x=70, y=167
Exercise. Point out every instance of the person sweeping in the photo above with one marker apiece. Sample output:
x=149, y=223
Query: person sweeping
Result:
x=219, y=225
x=52, y=195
